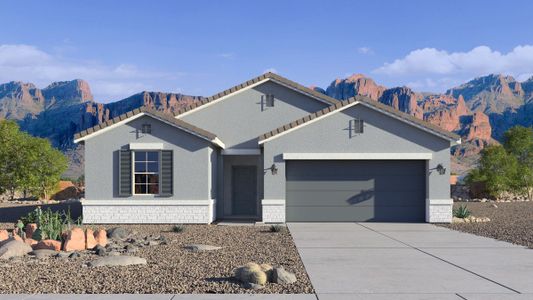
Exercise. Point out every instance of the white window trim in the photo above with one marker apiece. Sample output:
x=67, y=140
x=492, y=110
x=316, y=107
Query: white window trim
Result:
x=146, y=146
x=133, y=173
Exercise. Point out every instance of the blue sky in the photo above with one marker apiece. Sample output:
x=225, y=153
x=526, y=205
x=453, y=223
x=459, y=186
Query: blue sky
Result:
x=202, y=47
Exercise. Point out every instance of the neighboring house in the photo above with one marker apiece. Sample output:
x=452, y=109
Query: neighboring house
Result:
x=268, y=150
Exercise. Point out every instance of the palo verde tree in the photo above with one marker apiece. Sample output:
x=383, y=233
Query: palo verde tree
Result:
x=518, y=141
x=28, y=163
x=507, y=168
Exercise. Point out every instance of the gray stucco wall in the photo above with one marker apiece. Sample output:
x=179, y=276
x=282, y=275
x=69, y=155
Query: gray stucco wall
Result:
x=192, y=159
x=382, y=134
x=240, y=119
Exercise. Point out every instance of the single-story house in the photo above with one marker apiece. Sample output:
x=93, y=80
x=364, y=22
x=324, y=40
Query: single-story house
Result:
x=268, y=150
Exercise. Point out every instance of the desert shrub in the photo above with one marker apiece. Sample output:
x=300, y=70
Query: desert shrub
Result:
x=50, y=224
x=507, y=168
x=178, y=228
x=462, y=212
x=277, y=228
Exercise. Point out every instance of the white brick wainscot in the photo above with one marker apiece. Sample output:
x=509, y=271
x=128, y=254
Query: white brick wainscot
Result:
x=148, y=211
x=439, y=210
x=273, y=210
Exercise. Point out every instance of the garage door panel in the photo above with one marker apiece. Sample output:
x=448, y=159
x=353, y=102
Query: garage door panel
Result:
x=359, y=214
x=352, y=198
x=395, y=183
x=355, y=191
x=350, y=170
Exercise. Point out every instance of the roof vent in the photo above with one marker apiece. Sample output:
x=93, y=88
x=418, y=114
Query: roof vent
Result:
x=356, y=126
x=267, y=101
x=146, y=128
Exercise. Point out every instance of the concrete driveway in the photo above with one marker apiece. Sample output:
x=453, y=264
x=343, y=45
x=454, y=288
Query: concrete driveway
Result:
x=410, y=261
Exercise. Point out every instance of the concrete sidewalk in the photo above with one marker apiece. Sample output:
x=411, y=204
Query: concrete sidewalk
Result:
x=410, y=261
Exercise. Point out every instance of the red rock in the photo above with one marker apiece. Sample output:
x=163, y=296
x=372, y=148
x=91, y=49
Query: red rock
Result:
x=30, y=242
x=75, y=240
x=357, y=84
x=48, y=244
x=90, y=241
x=17, y=237
x=30, y=229
x=4, y=235
x=100, y=237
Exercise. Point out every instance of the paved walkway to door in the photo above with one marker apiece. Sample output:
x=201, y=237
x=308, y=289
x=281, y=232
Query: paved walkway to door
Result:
x=410, y=261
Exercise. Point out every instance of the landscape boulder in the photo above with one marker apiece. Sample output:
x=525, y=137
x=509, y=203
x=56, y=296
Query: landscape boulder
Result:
x=30, y=229
x=100, y=237
x=201, y=247
x=75, y=240
x=99, y=250
x=251, y=273
x=48, y=244
x=4, y=235
x=14, y=248
x=43, y=253
x=90, y=241
x=30, y=242
x=111, y=261
x=281, y=276
x=17, y=237
x=117, y=233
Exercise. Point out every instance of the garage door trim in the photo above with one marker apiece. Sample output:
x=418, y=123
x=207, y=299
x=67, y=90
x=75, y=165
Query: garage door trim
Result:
x=357, y=156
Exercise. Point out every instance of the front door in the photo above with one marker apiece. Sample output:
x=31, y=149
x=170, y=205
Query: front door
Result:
x=244, y=190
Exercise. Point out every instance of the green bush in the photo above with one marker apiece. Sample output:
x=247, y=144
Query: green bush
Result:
x=277, y=228
x=507, y=168
x=178, y=228
x=462, y=212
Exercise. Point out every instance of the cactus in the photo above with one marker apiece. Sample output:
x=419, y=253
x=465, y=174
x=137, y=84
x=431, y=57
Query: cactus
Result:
x=20, y=229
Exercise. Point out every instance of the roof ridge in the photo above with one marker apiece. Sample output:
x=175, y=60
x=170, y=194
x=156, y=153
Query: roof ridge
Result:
x=267, y=75
x=361, y=99
x=307, y=118
x=153, y=113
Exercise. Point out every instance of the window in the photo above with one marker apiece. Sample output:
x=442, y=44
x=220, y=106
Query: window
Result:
x=146, y=128
x=146, y=172
x=357, y=126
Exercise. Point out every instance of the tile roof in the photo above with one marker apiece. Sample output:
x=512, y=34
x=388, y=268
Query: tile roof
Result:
x=153, y=113
x=269, y=75
x=364, y=101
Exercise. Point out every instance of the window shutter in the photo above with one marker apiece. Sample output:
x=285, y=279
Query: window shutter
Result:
x=124, y=173
x=166, y=173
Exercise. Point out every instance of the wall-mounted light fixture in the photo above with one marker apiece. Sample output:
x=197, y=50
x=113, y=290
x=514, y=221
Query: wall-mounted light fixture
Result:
x=441, y=169
x=274, y=169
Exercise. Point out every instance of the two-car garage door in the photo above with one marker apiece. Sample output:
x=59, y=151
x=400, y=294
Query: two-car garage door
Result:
x=355, y=190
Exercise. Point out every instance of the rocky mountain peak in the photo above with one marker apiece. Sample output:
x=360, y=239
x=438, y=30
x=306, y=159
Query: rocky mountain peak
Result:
x=68, y=92
x=494, y=93
x=356, y=84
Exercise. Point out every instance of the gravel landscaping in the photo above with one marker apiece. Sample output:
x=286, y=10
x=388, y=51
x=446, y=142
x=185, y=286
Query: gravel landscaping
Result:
x=170, y=267
x=510, y=221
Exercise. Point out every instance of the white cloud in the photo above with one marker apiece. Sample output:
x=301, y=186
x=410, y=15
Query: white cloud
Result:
x=30, y=64
x=271, y=70
x=479, y=61
x=431, y=68
x=365, y=50
x=227, y=55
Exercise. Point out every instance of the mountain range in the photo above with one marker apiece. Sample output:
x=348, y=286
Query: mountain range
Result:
x=480, y=110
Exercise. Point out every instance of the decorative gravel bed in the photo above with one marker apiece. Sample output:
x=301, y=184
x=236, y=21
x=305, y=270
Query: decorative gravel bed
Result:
x=170, y=268
x=510, y=221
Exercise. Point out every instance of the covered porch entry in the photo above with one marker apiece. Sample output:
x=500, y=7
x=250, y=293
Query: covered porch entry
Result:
x=240, y=185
